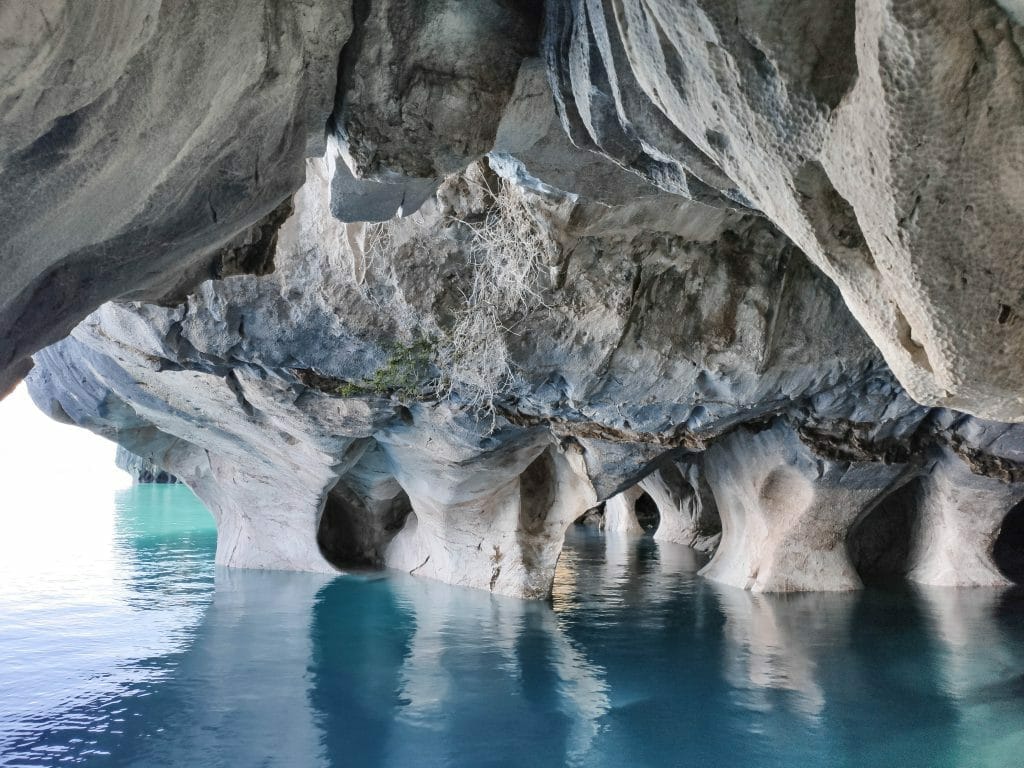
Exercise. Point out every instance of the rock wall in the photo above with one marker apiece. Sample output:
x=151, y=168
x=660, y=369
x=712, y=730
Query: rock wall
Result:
x=142, y=470
x=139, y=139
x=416, y=285
x=883, y=138
x=348, y=411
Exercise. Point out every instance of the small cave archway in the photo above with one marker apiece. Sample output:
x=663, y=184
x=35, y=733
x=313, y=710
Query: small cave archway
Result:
x=593, y=517
x=537, y=493
x=647, y=513
x=1008, y=549
x=537, y=489
x=353, y=532
x=880, y=543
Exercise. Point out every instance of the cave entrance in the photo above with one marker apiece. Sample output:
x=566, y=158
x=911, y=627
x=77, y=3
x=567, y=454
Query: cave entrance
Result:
x=1008, y=550
x=354, y=533
x=647, y=513
x=880, y=544
x=593, y=517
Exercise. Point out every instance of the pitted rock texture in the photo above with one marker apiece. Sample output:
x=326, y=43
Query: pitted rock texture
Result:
x=884, y=139
x=322, y=415
x=142, y=470
x=664, y=285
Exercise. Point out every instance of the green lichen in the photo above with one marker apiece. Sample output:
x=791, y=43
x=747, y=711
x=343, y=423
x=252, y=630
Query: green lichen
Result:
x=407, y=367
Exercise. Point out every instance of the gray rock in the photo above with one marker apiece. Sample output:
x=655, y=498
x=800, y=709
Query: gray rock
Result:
x=428, y=361
x=423, y=85
x=142, y=470
x=139, y=138
x=322, y=415
x=883, y=139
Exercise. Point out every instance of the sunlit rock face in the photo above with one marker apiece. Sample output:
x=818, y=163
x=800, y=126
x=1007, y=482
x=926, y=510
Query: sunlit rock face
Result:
x=138, y=139
x=322, y=414
x=884, y=139
x=433, y=360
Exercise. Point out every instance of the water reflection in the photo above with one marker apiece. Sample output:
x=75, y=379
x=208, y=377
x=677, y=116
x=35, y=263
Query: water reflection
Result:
x=81, y=627
x=636, y=661
x=982, y=666
x=476, y=664
x=773, y=643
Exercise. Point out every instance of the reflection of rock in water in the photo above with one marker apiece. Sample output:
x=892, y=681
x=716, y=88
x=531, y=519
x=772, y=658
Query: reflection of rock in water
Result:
x=982, y=669
x=774, y=641
x=233, y=644
x=238, y=694
x=475, y=662
x=359, y=635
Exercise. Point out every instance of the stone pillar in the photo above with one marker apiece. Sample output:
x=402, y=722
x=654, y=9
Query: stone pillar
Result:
x=786, y=512
x=497, y=523
x=959, y=515
x=265, y=520
x=686, y=517
x=620, y=512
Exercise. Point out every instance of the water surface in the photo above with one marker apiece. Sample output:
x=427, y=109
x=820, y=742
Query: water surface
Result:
x=130, y=648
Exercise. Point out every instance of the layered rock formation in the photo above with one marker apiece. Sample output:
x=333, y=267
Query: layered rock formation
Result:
x=139, y=139
x=884, y=139
x=658, y=281
x=348, y=410
x=142, y=470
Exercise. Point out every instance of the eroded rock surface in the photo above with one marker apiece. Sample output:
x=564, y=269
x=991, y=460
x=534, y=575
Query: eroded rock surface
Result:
x=884, y=139
x=137, y=139
x=436, y=362
x=142, y=470
x=329, y=417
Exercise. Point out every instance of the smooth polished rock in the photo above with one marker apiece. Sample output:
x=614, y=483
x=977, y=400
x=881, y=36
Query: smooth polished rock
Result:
x=884, y=139
x=959, y=515
x=785, y=511
x=138, y=139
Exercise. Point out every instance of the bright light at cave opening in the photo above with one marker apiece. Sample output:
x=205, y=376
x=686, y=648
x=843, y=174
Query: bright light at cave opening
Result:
x=58, y=487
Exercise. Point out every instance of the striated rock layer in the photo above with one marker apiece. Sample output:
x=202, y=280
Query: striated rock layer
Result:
x=350, y=409
x=883, y=138
x=736, y=264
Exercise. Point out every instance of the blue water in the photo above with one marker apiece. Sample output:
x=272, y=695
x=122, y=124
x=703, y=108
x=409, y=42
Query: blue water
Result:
x=131, y=648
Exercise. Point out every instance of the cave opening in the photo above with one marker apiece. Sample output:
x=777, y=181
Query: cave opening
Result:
x=593, y=517
x=1008, y=549
x=880, y=543
x=647, y=513
x=353, y=533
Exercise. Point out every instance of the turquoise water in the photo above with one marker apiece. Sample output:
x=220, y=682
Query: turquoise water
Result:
x=131, y=648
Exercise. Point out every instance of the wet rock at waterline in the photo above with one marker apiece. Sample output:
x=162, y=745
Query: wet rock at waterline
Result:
x=725, y=281
x=387, y=398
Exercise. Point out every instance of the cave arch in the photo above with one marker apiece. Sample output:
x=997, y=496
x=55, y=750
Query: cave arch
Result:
x=353, y=532
x=648, y=515
x=880, y=543
x=1008, y=548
